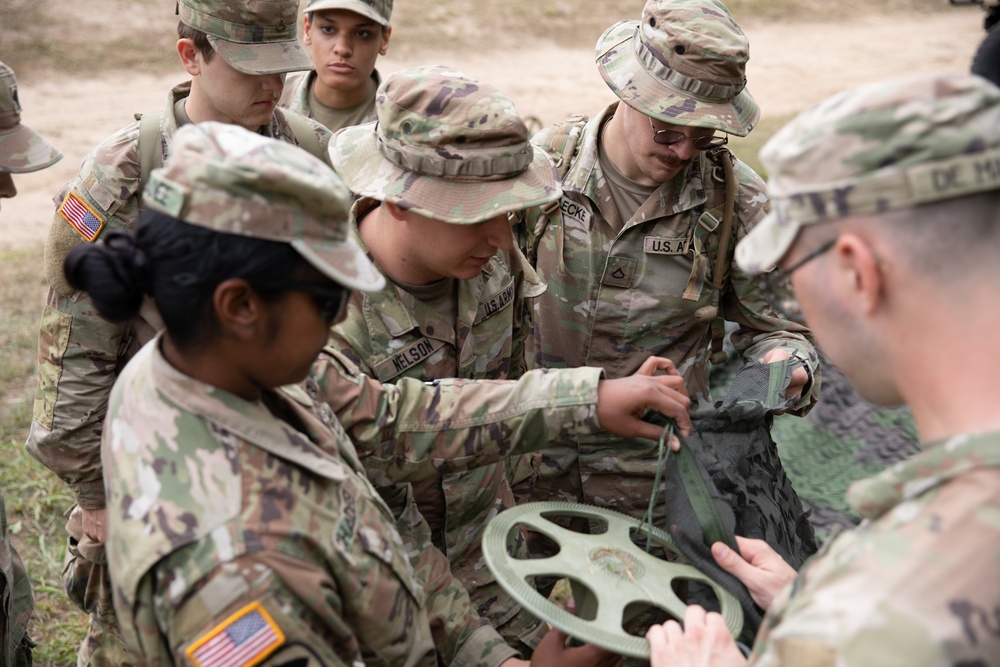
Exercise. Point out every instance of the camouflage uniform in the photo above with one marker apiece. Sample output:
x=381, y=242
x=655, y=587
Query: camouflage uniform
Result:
x=391, y=334
x=227, y=514
x=616, y=297
x=21, y=151
x=296, y=95
x=80, y=353
x=916, y=582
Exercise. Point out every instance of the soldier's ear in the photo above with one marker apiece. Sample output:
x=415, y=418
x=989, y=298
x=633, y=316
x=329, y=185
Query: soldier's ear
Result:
x=188, y=53
x=239, y=311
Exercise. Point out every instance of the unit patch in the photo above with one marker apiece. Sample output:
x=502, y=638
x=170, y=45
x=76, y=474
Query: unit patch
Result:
x=81, y=217
x=244, y=639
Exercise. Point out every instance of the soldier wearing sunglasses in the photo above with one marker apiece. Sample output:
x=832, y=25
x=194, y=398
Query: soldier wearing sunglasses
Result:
x=637, y=254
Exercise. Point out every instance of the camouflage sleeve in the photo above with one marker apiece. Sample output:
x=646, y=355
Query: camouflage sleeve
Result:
x=78, y=354
x=414, y=430
x=460, y=635
x=761, y=329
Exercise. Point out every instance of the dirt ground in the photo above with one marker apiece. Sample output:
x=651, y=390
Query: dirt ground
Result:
x=792, y=65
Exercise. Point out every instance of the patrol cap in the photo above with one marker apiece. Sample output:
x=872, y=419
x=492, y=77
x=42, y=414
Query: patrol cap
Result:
x=254, y=36
x=229, y=179
x=882, y=147
x=444, y=146
x=379, y=11
x=684, y=63
x=21, y=148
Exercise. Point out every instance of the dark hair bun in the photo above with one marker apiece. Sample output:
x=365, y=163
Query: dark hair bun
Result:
x=115, y=275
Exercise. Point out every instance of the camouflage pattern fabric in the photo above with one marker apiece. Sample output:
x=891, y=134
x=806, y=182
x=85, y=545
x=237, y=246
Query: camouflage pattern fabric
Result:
x=216, y=533
x=22, y=150
x=614, y=299
x=254, y=37
x=295, y=96
x=683, y=63
x=79, y=351
x=915, y=583
x=379, y=11
x=391, y=334
x=16, y=602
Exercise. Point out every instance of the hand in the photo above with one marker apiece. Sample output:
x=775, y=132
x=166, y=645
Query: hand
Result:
x=760, y=568
x=800, y=376
x=622, y=402
x=93, y=523
x=552, y=650
x=703, y=642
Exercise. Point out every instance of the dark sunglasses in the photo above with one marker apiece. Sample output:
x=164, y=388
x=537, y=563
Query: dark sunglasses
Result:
x=671, y=137
x=331, y=300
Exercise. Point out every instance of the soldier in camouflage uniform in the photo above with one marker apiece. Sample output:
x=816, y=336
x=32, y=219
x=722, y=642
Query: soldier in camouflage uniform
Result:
x=630, y=253
x=237, y=54
x=440, y=175
x=886, y=203
x=347, y=37
x=242, y=528
x=21, y=151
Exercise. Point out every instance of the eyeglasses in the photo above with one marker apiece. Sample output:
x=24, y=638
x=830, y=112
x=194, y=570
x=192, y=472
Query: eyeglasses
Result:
x=671, y=137
x=779, y=277
x=331, y=300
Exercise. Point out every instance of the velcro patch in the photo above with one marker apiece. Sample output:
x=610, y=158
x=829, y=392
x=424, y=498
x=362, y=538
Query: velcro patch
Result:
x=408, y=357
x=666, y=245
x=244, y=639
x=81, y=217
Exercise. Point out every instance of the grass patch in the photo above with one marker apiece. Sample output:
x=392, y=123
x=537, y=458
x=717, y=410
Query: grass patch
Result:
x=35, y=497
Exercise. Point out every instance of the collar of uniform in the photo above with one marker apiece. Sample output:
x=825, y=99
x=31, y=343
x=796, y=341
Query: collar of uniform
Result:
x=934, y=465
x=251, y=421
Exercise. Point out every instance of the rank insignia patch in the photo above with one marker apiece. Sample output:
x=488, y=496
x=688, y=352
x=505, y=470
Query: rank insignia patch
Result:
x=81, y=217
x=244, y=639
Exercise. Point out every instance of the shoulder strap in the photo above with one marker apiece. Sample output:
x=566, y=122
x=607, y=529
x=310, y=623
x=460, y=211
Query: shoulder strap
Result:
x=304, y=134
x=723, y=157
x=150, y=150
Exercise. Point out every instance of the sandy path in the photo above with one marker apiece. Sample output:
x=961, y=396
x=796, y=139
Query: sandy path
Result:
x=792, y=66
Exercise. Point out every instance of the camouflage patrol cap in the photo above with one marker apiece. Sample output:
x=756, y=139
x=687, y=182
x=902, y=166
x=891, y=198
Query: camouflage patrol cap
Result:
x=684, y=63
x=21, y=149
x=447, y=147
x=229, y=179
x=253, y=36
x=882, y=147
x=379, y=11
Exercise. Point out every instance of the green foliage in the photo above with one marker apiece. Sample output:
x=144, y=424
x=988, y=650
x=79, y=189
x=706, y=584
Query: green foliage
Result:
x=35, y=498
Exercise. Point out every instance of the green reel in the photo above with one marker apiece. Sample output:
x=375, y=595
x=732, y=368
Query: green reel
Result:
x=613, y=579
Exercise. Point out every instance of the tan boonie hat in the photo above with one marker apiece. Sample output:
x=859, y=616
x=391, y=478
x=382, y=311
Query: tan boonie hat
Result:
x=684, y=63
x=229, y=179
x=379, y=11
x=447, y=147
x=254, y=36
x=21, y=149
x=882, y=147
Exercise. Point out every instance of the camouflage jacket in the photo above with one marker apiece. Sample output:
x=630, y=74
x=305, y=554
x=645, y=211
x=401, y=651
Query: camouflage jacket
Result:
x=390, y=334
x=79, y=351
x=917, y=583
x=16, y=602
x=622, y=297
x=224, y=513
x=295, y=96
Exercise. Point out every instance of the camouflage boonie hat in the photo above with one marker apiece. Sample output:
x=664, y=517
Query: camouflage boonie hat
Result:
x=447, y=147
x=229, y=179
x=254, y=36
x=379, y=11
x=684, y=63
x=21, y=149
x=882, y=147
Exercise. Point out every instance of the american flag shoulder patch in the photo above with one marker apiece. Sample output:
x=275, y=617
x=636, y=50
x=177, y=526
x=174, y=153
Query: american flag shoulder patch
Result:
x=244, y=639
x=81, y=217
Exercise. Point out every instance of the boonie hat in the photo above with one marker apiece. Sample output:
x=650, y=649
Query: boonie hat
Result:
x=882, y=147
x=229, y=179
x=684, y=63
x=379, y=11
x=254, y=36
x=22, y=150
x=447, y=147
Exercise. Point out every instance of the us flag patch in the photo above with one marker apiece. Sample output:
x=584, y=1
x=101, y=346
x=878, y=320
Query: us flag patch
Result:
x=81, y=217
x=244, y=639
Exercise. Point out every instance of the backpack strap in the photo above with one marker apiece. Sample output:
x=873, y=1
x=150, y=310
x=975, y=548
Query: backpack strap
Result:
x=723, y=157
x=150, y=149
x=305, y=134
x=560, y=144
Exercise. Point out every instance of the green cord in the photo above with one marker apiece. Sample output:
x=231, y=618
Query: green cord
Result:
x=661, y=464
